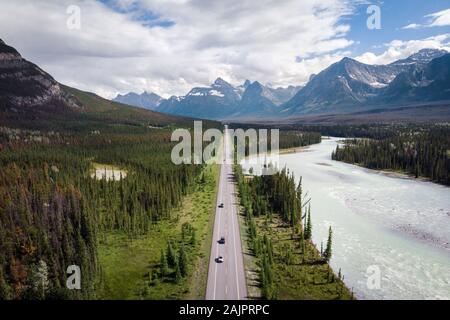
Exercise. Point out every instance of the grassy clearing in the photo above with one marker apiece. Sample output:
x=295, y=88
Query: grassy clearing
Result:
x=305, y=277
x=130, y=267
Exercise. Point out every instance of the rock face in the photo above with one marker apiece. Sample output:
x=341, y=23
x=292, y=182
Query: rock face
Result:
x=221, y=100
x=345, y=87
x=213, y=102
x=424, y=83
x=25, y=85
x=349, y=86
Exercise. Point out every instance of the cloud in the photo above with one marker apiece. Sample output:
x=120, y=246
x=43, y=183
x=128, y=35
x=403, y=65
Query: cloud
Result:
x=437, y=19
x=440, y=19
x=412, y=26
x=168, y=46
x=400, y=49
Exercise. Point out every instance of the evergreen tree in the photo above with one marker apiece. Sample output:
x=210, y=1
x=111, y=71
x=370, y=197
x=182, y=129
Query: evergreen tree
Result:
x=163, y=264
x=193, y=238
x=171, y=257
x=308, y=227
x=183, y=262
x=178, y=276
x=328, y=250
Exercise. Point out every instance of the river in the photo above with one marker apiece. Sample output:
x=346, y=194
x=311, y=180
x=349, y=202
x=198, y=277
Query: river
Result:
x=391, y=234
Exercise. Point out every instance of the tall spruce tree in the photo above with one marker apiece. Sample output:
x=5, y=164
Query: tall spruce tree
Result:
x=328, y=250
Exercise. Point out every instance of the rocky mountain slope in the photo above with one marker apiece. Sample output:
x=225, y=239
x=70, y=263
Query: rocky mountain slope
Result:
x=25, y=85
x=222, y=100
x=32, y=98
x=349, y=86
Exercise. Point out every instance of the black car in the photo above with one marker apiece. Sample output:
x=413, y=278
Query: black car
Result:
x=220, y=259
x=222, y=240
x=221, y=206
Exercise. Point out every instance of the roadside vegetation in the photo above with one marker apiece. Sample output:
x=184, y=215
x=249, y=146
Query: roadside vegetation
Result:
x=54, y=214
x=170, y=261
x=279, y=233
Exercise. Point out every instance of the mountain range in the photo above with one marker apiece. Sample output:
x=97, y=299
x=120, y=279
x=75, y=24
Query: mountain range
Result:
x=352, y=86
x=28, y=93
x=347, y=86
x=146, y=100
x=220, y=100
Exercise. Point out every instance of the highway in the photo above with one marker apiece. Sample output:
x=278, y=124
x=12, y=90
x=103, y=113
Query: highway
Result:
x=226, y=281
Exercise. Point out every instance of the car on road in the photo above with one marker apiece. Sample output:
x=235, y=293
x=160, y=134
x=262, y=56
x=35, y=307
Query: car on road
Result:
x=220, y=259
x=222, y=240
x=221, y=206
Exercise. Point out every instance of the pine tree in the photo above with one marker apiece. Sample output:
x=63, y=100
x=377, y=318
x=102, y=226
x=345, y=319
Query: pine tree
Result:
x=328, y=250
x=171, y=258
x=193, y=238
x=308, y=227
x=163, y=264
x=178, y=276
x=183, y=262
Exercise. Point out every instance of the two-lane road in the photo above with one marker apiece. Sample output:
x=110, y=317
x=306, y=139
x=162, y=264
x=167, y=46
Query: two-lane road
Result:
x=226, y=281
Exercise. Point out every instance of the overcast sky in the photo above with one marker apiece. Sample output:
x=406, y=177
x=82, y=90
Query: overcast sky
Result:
x=169, y=46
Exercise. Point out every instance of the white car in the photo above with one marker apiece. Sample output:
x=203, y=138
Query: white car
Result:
x=220, y=260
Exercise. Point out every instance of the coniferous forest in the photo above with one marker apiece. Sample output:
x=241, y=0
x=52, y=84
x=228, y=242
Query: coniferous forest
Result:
x=279, y=233
x=418, y=151
x=53, y=213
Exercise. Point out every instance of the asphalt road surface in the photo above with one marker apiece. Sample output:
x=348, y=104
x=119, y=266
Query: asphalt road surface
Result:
x=226, y=280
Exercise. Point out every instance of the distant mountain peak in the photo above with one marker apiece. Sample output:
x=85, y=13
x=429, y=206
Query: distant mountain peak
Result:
x=4, y=48
x=146, y=100
x=423, y=56
x=219, y=82
x=347, y=60
x=428, y=53
x=257, y=84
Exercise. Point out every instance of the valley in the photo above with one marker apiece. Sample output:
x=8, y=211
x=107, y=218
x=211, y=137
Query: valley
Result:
x=92, y=183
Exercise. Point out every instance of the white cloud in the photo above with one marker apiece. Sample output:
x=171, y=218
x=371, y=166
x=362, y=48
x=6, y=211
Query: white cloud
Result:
x=437, y=19
x=233, y=39
x=399, y=49
x=440, y=19
x=412, y=26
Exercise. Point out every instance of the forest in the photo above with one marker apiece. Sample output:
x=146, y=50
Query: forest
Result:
x=418, y=151
x=279, y=227
x=54, y=214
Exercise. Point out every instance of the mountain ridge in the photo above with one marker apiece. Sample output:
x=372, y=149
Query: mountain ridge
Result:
x=349, y=85
x=146, y=100
x=32, y=98
x=344, y=87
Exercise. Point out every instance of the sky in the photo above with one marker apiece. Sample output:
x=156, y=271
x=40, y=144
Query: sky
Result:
x=169, y=46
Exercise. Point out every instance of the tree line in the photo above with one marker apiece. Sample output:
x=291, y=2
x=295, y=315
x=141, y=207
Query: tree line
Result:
x=419, y=152
x=266, y=196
